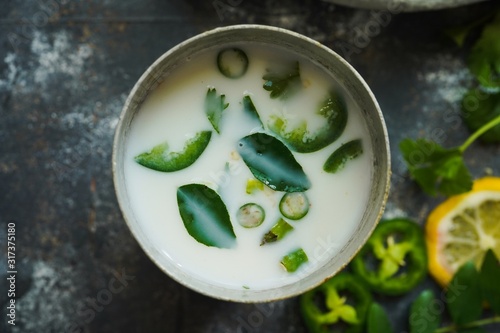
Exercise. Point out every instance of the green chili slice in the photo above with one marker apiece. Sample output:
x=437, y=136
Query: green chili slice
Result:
x=277, y=232
x=338, y=305
x=394, y=259
x=294, y=205
x=293, y=260
x=160, y=158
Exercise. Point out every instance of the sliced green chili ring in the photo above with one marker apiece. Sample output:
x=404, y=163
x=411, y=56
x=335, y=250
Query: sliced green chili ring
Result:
x=338, y=305
x=301, y=140
x=232, y=62
x=394, y=259
x=250, y=215
x=277, y=232
x=293, y=260
x=294, y=205
x=338, y=159
x=160, y=158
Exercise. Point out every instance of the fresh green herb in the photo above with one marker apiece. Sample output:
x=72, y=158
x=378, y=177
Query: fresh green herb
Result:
x=250, y=215
x=489, y=281
x=333, y=109
x=461, y=33
x=465, y=306
x=232, y=62
x=348, y=151
x=423, y=316
x=250, y=109
x=464, y=299
x=277, y=232
x=339, y=304
x=292, y=261
x=479, y=107
x=214, y=105
x=394, y=259
x=272, y=163
x=484, y=57
x=205, y=216
x=378, y=321
x=437, y=169
x=281, y=82
x=294, y=205
x=160, y=158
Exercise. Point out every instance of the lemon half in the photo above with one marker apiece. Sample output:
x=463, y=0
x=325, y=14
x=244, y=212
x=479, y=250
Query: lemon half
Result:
x=463, y=228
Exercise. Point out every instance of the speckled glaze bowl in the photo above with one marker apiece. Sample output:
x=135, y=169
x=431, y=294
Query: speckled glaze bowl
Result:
x=310, y=49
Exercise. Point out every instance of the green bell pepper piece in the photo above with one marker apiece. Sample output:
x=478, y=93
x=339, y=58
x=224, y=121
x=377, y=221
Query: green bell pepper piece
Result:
x=339, y=305
x=394, y=259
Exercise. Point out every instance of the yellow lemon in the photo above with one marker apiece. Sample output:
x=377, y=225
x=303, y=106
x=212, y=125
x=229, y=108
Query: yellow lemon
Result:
x=463, y=228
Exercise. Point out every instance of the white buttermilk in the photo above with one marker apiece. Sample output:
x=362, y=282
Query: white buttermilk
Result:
x=175, y=111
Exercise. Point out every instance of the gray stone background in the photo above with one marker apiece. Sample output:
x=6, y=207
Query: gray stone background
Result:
x=66, y=68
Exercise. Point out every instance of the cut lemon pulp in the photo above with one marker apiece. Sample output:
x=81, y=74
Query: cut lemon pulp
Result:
x=463, y=228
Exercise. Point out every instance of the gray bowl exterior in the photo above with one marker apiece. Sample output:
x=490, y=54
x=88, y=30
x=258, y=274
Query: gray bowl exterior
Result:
x=317, y=53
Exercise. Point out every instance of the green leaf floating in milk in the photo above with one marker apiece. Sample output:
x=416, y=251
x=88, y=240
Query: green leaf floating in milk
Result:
x=282, y=82
x=300, y=139
x=160, y=158
x=250, y=110
x=272, y=163
x=214, y=105
x=205, y=216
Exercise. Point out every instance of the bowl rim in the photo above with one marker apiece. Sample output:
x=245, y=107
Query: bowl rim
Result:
x=231, y=294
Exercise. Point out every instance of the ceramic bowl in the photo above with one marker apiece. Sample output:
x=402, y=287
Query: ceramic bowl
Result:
x=290, y=42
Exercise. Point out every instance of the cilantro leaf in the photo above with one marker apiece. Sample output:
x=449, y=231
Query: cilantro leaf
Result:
x=484, y=57
x=282, y=82
x=434, y=168
x=214, y=105
x=478, y=108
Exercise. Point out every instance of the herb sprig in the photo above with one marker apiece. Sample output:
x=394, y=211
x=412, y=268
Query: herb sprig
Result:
x=439, y=170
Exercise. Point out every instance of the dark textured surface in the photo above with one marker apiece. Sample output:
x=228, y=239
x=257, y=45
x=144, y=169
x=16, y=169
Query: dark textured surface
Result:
x=65, y=71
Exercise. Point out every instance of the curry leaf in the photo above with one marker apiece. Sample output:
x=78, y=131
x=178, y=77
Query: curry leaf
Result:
x=300, y=139
x=272, y=163
x=434, y=168
x=205, y=216
x=160, y=158
x=489, y=277
x=424, y=318
x=463, y=295
x=378, y=321
x=480, y=107
x=250, y=109
x=214, y=106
